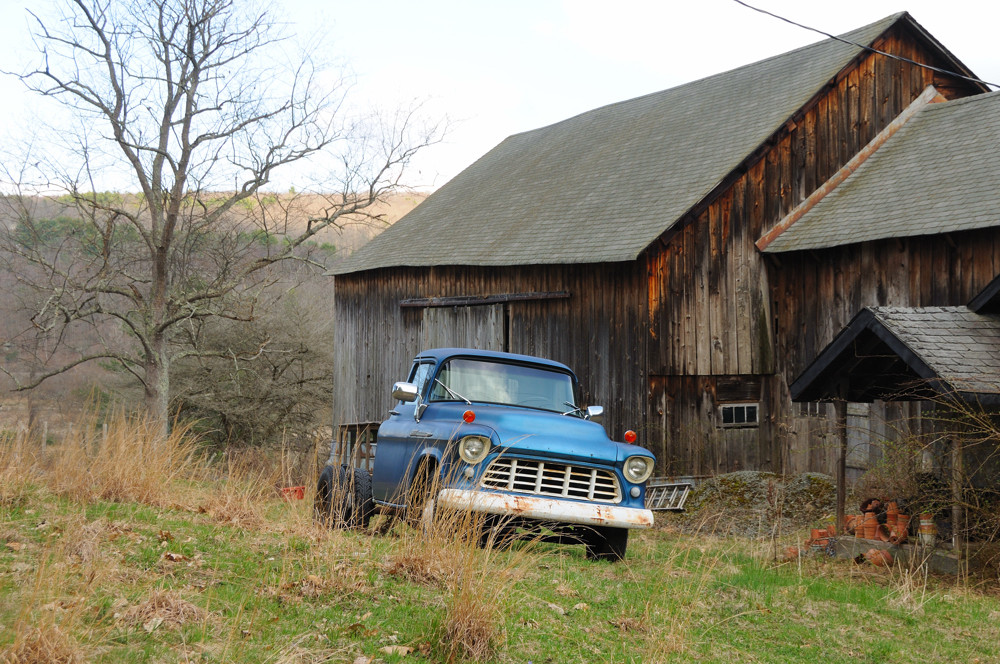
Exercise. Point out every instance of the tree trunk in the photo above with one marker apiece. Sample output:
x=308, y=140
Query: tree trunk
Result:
x=158, y=387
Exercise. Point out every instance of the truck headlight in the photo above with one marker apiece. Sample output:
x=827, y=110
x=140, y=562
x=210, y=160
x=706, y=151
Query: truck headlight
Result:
x=473, y=449
x=638, y=469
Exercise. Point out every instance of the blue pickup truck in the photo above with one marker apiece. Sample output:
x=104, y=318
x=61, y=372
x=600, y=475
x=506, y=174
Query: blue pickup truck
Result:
x=500, y=435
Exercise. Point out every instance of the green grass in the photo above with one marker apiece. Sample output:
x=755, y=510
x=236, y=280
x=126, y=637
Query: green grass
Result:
x=286, y=591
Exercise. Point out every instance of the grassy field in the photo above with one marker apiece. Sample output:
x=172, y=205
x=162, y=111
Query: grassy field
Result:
x=103, y=558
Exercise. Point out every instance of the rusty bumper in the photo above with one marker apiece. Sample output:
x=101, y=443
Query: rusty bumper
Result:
x=545, y=509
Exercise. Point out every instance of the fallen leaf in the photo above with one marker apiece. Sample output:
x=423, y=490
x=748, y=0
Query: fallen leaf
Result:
x=397, y=650
x=175, y=557
x=165, y=536
x=152, y=624
x=15, y=546
x=558, y=609
x=582, y=606
x=361, y=659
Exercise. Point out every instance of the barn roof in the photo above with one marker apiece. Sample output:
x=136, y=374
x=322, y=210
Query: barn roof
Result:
x=937, y=174
x=908, y=352
x=602, y=186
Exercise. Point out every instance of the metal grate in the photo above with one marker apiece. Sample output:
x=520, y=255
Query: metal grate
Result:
x=545, y=478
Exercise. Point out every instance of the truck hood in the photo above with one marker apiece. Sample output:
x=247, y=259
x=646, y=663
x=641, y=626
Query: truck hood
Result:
x=529, y=431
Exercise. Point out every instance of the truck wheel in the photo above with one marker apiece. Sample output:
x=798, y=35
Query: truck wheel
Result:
x=323, y=504
x=607, y=544
x=363, y=505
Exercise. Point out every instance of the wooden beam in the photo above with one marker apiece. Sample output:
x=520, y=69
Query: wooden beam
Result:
x=928, y=96
x=479, y=300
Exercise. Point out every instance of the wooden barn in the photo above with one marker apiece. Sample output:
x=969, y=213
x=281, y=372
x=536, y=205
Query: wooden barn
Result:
x=651, y=245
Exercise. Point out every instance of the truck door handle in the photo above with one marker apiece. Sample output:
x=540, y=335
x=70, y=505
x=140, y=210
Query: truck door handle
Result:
x=421, y=434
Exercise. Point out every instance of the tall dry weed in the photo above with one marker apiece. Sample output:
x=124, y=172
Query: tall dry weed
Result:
x=478, y=570
x=52, y=609
x=128, y=459
x=42, y=644
x=243, y=486
x=17, y=468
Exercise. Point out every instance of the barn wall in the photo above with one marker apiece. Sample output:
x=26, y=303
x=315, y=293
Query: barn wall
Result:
x=599, y=330
x=714, y=311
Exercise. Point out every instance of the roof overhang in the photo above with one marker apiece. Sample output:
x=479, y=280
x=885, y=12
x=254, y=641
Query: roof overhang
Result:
x=868, y=362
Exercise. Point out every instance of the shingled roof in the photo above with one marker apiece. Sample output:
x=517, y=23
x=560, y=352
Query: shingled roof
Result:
x=937, y=174
x=602, y=186
x=900, y=352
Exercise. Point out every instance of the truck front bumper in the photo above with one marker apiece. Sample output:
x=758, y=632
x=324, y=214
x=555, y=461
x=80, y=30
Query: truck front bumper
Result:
x=545, y=509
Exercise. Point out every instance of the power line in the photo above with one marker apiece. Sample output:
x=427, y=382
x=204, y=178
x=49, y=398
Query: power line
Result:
x=868, y=48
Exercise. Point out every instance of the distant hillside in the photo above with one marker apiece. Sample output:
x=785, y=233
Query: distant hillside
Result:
x=290, y=212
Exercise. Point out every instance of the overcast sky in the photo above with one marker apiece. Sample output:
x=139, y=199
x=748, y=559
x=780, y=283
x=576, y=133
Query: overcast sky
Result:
x=498, y=68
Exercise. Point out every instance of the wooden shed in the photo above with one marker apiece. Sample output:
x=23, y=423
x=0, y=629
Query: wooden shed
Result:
x=623, y=242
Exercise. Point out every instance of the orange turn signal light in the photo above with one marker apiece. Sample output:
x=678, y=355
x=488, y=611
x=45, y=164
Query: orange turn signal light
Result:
x=469, y=417
x=630, y=436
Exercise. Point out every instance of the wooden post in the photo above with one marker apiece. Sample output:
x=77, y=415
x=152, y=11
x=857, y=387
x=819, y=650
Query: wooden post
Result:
x=840, y=406
x=957, y=512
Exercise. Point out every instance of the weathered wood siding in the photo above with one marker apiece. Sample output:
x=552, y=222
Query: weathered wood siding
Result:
x=599, y=330
x=714, y=311
x=831, y=286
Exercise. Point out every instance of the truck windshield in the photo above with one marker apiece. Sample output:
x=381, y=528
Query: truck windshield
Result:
x=498, y=382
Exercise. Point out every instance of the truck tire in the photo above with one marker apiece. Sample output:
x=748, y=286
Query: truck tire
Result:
x=323, y=504
x=607, y=544
x=363, y=504
x=344, y=497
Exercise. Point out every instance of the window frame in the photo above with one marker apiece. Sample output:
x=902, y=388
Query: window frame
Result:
x=743, y=407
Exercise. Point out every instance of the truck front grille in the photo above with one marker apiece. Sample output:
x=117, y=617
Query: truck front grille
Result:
x=545, y=478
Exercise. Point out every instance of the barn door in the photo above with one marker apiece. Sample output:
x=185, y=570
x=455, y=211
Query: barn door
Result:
x=480, y=327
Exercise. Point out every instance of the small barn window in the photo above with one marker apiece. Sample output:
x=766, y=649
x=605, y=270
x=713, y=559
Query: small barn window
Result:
x=739, y=415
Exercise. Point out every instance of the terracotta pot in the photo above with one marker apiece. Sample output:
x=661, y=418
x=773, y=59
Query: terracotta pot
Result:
x=879, y=557
x=817, y=534
x=899, y=534
x=882, y=533
x=871, y=525
x=903, y=522
x=850, y=523
x=831, y=530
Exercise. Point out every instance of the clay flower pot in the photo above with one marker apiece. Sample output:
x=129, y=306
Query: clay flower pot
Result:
x=879, y=557
x=850, y=523
x=870, y=524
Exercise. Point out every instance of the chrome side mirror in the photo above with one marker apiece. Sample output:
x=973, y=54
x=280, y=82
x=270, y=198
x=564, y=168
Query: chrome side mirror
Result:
x=405, y=392
x=595, y=414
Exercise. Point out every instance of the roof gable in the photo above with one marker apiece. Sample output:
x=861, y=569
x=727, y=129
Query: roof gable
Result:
x=937, y=174
x=602, y=186
x=908, y=352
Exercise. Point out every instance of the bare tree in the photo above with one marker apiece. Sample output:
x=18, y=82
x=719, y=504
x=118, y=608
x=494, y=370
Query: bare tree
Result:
x=190, y=99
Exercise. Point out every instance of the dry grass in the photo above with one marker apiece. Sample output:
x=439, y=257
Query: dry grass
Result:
x=164, y=608
x=46, y=644
x=124, y=460
x=17, y=468
x=478, y=576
